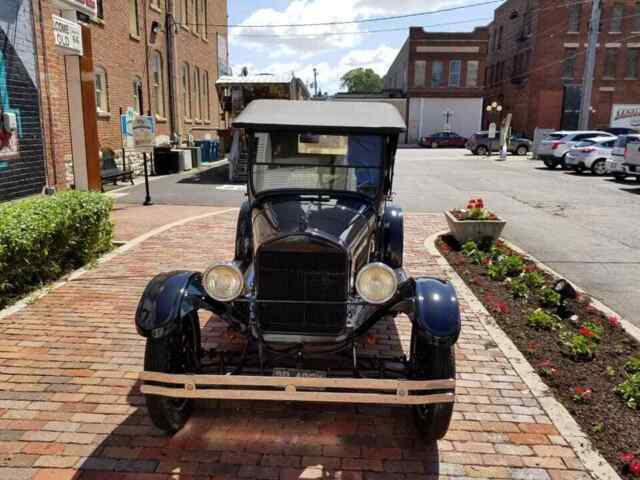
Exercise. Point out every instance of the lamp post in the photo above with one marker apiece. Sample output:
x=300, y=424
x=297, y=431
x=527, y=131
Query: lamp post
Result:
x=494, y=110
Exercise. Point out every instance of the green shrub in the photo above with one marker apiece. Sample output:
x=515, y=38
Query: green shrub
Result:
x=629, y=390
x=519, y=288
x=469, y=247
x=542, y=320
x=497, y=271
x=534, y=280
x=593, y=331
x=633, y=365
x=577, y=346
x=43, y=237
x=549, y=297
x=513, y=264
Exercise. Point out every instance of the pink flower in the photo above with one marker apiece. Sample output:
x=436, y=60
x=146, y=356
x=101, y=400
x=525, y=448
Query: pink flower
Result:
x=626, y=457
x=613, y=321
x=634, y=468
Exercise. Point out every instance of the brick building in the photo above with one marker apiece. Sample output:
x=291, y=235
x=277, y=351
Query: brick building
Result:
x=22, y=163
x=441, y=76
x=536, y=61
x=128, y=63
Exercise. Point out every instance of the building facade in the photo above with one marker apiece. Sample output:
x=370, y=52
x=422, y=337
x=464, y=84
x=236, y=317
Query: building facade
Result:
x=22, y=162
x=158, y=57
x=536, y=62
x=441, y=75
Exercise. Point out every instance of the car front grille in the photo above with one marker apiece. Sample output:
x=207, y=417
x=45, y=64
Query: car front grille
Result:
x=286, y=278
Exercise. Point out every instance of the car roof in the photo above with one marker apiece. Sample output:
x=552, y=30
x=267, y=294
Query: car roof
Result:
x=601, y=139
x=321, y=116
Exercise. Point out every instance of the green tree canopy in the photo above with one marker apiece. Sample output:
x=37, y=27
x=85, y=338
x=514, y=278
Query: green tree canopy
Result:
x=361, y=80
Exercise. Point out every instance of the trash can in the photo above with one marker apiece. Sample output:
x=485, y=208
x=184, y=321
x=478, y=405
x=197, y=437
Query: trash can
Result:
x=205, y=151
x=166, y=161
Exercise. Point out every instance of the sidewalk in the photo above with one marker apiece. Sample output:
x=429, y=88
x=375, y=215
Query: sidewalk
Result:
x=70, y=405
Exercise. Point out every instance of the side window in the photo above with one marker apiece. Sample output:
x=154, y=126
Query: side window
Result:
x=609, y=144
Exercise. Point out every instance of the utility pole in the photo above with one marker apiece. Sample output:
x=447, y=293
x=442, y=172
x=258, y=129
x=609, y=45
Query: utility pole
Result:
x=590, y=65
x=315, y=81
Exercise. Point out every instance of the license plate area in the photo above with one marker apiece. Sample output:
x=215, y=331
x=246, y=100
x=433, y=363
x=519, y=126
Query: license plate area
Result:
x=298, y=372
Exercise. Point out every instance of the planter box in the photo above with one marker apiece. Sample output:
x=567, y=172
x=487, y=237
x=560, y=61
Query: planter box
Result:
x=476, y=230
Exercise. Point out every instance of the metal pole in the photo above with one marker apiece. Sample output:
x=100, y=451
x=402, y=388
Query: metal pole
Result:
x=315, y=82
x=147, y=198
x=590, y=64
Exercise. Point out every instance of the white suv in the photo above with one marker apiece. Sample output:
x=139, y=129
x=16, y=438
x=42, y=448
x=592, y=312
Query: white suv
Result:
x=552, y=150
x=591, y=154
x=631, y=163
x=616, y=159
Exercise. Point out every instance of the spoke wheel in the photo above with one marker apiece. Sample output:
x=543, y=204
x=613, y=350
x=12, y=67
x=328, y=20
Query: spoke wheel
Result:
x=522, y=150
x=429, y=362
x=178, y=352
x=481, y=150
x=599, y=167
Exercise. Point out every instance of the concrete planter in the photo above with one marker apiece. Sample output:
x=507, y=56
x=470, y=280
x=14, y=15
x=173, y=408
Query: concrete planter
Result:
x=476, y=230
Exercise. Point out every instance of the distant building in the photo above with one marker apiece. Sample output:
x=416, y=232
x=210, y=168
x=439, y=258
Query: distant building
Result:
x=536, y=62
x=441, y=75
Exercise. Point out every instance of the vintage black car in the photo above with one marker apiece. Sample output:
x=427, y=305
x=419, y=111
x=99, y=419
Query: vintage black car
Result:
x=318, y=262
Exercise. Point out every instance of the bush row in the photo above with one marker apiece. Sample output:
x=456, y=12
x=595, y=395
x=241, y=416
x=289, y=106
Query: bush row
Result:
x=42, y=238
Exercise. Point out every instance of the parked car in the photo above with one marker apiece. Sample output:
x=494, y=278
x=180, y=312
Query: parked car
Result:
x=318, y=262
x=479, y=144
x=443, y=139
x=617, y=131
x=616, y=159
x=590, y=154
x=553, y=148
x=631, y=162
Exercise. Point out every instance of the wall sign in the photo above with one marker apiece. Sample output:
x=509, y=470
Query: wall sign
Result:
x=625, y=115
x=144, y=132
x=88, y=7
x=67, y=36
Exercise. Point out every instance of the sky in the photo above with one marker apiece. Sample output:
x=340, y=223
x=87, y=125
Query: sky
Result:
x=287, y=50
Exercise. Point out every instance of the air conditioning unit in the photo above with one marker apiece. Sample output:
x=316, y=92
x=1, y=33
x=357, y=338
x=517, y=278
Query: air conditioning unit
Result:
x=184, y=159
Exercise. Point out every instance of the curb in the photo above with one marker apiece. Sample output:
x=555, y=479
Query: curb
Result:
x=32, y=297
x=595, y=463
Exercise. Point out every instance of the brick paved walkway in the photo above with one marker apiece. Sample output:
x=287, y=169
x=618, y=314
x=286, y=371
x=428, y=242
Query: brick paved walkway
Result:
x=70, y=405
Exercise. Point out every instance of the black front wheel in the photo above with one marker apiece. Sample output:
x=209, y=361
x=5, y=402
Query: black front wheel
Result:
x=551, y=164
x=599, y=168
x=481, y=150
x=177, y=352
x=522, y=150
x=432, y=363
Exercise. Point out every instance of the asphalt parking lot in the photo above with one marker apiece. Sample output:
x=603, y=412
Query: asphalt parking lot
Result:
x=585, y=227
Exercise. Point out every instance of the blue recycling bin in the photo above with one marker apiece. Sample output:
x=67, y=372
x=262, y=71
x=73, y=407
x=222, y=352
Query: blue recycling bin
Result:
x=205, y=150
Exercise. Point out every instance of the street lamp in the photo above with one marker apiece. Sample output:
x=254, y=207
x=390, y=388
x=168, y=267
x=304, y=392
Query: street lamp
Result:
x=494, y=110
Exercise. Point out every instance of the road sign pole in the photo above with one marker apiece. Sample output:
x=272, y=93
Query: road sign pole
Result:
x=590, y=65
x=147, y=198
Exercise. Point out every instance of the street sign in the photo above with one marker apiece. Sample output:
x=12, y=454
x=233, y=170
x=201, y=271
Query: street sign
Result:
x=67, y=36
x=88, y=7
x=144, y=132
x=492, y=130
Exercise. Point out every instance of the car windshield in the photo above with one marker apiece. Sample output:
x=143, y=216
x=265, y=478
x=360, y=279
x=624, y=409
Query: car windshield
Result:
x=556, y=136
x=303, y=161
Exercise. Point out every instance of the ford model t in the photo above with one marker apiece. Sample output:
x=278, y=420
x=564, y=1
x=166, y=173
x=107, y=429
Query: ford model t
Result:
x=318, y=263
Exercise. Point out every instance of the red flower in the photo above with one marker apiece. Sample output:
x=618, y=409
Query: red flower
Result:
x=502, y=307
x=471, y=206
x=480, y=203
x=530, y=268
x=586, y=332
x=582, y=391
x=613, y=321
x=486, y=261
x=634, y=468
x=626, y=457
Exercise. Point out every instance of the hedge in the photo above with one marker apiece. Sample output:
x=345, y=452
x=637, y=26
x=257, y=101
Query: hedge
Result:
x=42, y=238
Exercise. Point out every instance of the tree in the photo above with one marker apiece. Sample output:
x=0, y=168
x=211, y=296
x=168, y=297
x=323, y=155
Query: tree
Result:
x=361, y=80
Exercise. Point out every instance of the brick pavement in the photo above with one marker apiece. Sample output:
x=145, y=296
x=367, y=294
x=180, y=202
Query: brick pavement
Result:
x=70, y=406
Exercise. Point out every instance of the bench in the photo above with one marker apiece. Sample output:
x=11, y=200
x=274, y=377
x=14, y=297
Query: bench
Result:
x=110, y=172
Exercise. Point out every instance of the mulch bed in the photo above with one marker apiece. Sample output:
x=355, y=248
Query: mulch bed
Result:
x=612, y=426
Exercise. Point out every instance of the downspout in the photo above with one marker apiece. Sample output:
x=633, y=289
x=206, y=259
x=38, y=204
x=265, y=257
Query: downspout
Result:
x=170, y=29
x=146, y=59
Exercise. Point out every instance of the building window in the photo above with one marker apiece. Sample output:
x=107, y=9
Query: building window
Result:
x=137, y=95
x=437, y=73
x=575, y=12
x=455, y=72
x=184, y=12
x=569, y=62
x=472, y=73
x=197, y=97
x=610, y=60
x=157, y=78
x=186, y=91
x=636, y=18
x=193, y=13
x=102, y=96
x=500, y=30
x=207, y=98
x=134, y=21
x=632, y=63
x=616, y=18
x=196, y=7
x=420, y=73
x=205, y=18
x=100, y=9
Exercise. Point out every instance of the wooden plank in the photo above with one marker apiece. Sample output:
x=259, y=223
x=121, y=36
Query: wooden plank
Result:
x=258, y=381
x=297, y=396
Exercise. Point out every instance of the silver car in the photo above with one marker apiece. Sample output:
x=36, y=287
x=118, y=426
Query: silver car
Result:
x=615, y=161
x=590, y=154
x=552, y=150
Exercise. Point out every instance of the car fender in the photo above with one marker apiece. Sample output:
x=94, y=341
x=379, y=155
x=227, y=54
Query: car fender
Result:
x=436, y=312
x=168, y=298
x=244, y=234
x=392, y=236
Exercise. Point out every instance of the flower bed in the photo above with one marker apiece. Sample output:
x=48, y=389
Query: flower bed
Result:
x=589, y=362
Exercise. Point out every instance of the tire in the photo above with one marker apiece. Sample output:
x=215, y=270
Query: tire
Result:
x=619, y=177
x=434, y=145
x=563, y=162
x=481, y=150
x=550, y=164
x=432, y=363
x=522, y=150
x=578, y=168
x=172, y=354
x=599, y=168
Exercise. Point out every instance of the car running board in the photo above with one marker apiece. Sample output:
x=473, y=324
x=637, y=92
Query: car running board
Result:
x=303, y=389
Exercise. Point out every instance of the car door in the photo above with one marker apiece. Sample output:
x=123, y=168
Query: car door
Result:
x=445, y=139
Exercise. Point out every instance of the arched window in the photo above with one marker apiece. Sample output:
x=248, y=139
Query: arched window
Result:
x=207, y=98
x=186, y=91
x=157, y=83
x=137, y=94
x=197, y=98
x=102, y=94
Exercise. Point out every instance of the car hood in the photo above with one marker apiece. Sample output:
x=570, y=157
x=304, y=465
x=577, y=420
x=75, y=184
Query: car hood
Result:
x=338, y=219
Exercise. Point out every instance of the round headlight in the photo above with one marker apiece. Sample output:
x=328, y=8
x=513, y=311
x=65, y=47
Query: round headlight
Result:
x=223, y=282
x=376, y=283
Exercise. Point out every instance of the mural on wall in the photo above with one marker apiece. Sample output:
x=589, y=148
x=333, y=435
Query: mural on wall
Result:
x=9, y=118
